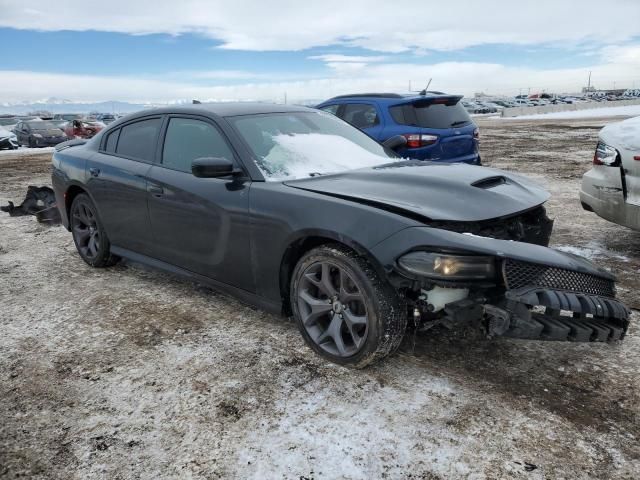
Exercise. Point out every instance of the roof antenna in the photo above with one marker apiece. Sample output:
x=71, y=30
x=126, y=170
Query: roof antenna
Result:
x=424, y=92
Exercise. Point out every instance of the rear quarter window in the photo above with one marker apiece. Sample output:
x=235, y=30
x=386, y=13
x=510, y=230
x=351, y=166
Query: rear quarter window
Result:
x=112, y=141
x=138, y=140
x=430, y=116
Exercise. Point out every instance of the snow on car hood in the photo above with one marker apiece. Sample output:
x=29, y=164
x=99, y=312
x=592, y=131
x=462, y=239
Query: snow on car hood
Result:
x=299, y=156
x=437, y=191
x=4, y=133
x=625, y=134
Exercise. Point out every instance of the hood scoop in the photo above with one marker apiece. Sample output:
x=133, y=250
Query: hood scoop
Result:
x=490, y=182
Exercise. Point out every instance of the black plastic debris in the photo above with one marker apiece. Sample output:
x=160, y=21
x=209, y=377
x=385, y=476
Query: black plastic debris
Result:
x=39, y=201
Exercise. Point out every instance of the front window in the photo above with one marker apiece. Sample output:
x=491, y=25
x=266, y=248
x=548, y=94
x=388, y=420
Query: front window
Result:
x=303, y=144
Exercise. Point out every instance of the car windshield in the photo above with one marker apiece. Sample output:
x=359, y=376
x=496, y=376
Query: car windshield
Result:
x=303, y=144
x=41, y=125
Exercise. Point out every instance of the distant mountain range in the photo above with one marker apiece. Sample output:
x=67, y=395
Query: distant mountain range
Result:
x=60, y=105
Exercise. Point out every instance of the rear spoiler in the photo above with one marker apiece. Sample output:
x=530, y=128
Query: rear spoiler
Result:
x=425, y=101
x=70, y=143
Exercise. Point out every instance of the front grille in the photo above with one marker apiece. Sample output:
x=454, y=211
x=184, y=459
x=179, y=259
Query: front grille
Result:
x=522, y=274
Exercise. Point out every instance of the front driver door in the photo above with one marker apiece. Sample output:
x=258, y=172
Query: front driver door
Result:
x=200, y=224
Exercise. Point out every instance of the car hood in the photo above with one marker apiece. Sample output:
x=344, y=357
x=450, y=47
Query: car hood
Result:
x=5, y=133
x=436, y=191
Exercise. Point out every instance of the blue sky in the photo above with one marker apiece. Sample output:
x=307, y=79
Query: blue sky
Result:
x=140, y=50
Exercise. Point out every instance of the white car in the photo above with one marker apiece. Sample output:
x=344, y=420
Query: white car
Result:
x=8, y=139
x=611, y=188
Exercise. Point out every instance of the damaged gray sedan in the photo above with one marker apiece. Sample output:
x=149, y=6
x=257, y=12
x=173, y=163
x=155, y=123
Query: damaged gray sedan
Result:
x=295, y=211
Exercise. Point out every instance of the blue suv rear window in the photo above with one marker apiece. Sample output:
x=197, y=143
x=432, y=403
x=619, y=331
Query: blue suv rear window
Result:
x=430, y=116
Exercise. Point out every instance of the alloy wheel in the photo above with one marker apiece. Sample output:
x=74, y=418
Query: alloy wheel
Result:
x=332, y=308
x=85, y=230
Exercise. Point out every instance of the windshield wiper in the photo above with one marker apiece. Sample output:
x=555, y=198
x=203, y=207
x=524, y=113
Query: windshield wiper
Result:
x=459, y=122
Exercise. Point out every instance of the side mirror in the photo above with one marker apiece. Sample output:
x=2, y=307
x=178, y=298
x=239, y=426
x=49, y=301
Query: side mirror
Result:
x=395, y=142
x=212, y=167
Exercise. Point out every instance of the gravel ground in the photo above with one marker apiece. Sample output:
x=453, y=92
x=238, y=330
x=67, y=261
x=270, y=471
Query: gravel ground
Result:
x=130, y=373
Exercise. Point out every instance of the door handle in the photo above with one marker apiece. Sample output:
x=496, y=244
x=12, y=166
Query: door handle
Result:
x=155, y=190
x=94, y=172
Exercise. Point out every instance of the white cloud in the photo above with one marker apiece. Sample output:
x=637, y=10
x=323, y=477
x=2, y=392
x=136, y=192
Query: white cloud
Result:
x=615, y=64
x=397, y=26
x=336, y=58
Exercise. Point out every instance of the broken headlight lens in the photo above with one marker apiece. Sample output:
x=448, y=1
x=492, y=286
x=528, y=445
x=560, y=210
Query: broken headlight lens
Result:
x=449, y=267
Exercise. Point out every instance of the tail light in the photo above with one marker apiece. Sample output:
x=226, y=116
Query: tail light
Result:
x=417, y=140
x=606, y=155
x=476, y=133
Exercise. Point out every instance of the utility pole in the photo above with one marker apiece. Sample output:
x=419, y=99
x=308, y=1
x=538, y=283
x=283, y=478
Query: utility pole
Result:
x=589, y=83
x=285, y=98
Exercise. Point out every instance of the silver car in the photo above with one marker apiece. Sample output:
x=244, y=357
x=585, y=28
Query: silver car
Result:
x=611, y=188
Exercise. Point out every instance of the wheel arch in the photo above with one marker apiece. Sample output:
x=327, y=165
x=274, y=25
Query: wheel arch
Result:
x=71, y=192
x=305, y=241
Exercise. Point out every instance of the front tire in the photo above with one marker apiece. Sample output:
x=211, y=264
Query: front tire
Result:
x=88, y=233
x=345, y=312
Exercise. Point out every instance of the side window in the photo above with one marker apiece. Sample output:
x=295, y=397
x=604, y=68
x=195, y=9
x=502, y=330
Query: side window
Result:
x=331, y=109
x=112, y=141
x=188, y=139
x=138, y=140
x=360, y=115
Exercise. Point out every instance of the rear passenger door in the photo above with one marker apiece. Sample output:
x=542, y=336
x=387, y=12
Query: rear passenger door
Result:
x=364, y=116
x=200, y=224
x=117, y=181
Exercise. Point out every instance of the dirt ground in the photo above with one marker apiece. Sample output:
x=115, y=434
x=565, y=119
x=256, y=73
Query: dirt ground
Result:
x=129, y=373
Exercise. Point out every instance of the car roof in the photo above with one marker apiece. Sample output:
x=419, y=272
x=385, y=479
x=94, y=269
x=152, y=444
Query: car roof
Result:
x=389, y=98
x=229, y=109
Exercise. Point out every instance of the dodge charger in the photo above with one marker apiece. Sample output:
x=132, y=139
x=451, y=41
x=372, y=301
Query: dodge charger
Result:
x=296, y=211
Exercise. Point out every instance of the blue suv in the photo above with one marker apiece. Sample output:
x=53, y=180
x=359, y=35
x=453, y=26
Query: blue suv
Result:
x=436, y=125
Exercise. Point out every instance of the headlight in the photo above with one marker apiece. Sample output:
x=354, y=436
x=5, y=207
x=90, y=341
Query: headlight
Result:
x=37, y=135
x=448, y=267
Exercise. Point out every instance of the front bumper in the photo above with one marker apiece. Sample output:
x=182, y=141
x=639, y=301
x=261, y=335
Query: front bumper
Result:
x=8, y=142
x=541, y=294
x=49, y=141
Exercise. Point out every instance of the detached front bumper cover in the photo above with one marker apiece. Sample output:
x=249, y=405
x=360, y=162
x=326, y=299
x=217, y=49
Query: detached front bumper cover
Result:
x=548, y=303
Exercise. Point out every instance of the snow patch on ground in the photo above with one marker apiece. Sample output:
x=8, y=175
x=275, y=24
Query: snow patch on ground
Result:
x=622, y=111
x=592, y=251
x=26, y=151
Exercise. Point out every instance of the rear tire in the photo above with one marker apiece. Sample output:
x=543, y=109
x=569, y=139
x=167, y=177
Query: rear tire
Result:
x=88, y=233
x=345, y=312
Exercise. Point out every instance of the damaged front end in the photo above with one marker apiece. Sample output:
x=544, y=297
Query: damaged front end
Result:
x=508, y=288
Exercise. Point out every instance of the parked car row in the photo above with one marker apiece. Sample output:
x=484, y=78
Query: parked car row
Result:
x=35, y=132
